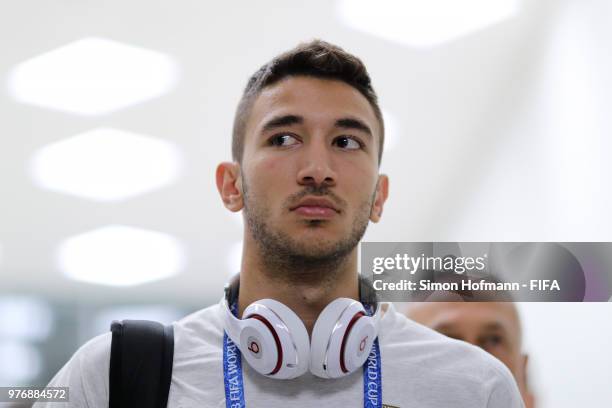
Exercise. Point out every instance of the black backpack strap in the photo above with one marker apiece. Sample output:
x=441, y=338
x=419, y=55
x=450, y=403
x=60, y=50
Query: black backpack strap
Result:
x=142, y=352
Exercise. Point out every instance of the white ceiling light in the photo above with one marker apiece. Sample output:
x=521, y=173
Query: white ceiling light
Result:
x=106, y=164
x=423, y=24
x=93, y=76
x=119, y=255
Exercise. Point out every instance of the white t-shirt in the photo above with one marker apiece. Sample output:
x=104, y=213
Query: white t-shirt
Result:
x=420, y=369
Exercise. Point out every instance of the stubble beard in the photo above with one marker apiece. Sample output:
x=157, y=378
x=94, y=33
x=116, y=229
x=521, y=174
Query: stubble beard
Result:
x=286, y=258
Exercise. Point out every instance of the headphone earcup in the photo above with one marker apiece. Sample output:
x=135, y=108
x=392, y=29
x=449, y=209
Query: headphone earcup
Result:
x=342, y=337
x=259, y=346
x=274, y=340
x=358, y=343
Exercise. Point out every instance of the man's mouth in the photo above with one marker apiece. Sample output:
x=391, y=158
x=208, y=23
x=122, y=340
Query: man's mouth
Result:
x=315, y=208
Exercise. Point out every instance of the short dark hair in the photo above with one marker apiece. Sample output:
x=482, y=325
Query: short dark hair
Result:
x=317, y=59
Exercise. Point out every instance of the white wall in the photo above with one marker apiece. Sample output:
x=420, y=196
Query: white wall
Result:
x=569, y=348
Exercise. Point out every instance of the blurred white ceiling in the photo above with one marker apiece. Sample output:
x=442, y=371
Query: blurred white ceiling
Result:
x=499, y=128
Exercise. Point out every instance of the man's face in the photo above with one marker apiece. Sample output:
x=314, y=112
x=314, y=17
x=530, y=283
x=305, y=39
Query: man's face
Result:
x=493, y=326
x=310, y=167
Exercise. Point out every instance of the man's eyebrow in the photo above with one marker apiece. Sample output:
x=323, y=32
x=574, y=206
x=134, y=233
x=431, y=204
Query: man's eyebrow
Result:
x=280, y=121
x=352, y=123
x=495, y=326
x=288, y=120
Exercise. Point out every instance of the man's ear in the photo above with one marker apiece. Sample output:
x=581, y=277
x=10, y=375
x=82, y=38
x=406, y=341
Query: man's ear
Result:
x=229, y=184
x=528, y=396
x=382, y=192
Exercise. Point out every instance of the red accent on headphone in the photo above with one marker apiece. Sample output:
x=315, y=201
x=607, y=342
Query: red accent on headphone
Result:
x=254, y=347
x=362, y=344
x=348, y=329
x=265, y=321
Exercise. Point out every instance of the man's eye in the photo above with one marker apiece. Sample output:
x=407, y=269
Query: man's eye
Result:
x=346, y=142
x=283, y=139
x=491, y=341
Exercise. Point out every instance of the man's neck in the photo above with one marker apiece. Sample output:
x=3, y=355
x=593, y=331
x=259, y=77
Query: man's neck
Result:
x=306, y=297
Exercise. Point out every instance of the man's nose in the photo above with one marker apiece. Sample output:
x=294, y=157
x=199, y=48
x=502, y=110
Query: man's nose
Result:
x=316, y=167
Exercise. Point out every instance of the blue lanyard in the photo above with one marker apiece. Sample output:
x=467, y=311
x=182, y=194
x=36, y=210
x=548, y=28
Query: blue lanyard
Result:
x=234, y=385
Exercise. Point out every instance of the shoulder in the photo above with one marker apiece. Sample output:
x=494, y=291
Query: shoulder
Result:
x=199, y=332
x=92, y=359
x=86, y=374
x=439, y=352
x=438, y=359
x=87, y=371
x=208, y=321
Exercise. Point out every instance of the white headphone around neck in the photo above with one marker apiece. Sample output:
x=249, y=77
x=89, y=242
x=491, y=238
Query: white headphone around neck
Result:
x=274, y=340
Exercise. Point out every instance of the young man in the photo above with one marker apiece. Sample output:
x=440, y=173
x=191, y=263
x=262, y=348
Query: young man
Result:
x=307, y=145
